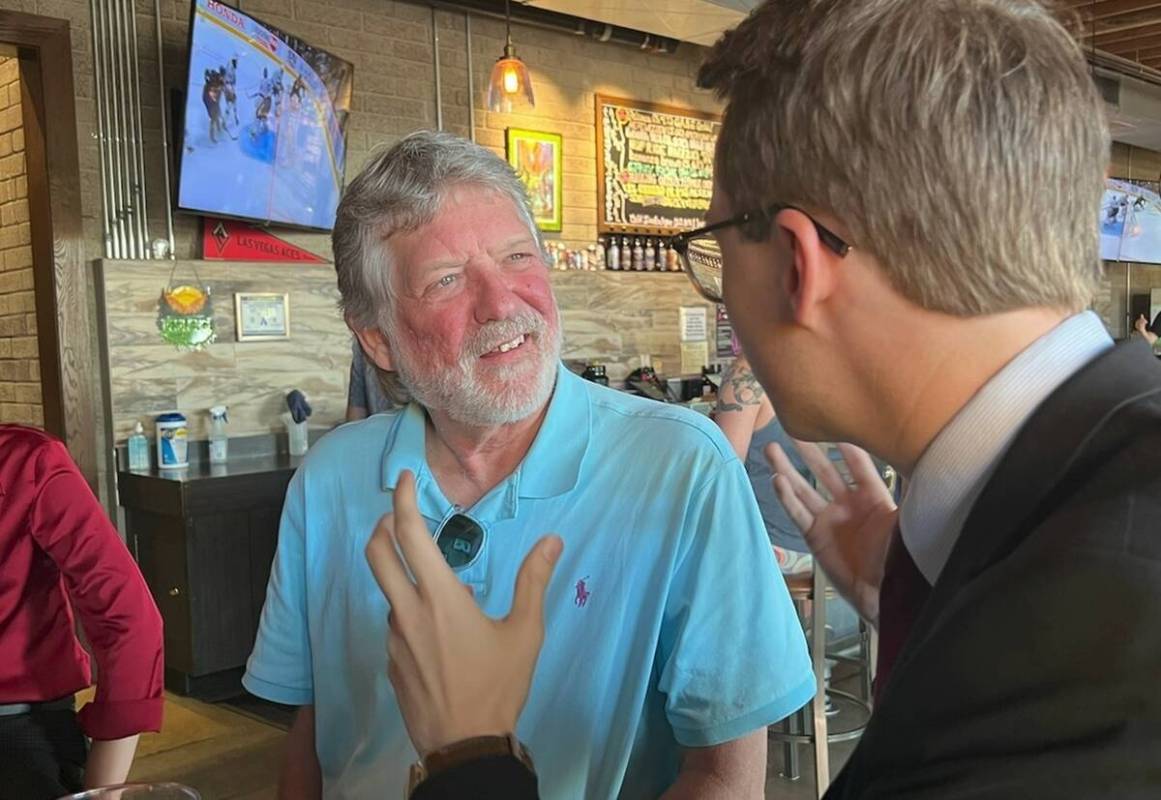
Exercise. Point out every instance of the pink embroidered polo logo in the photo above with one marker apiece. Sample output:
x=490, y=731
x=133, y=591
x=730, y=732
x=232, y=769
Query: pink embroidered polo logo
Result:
x=582, y=592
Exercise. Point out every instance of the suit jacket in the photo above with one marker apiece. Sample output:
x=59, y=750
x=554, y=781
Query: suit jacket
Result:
x=1034, y=669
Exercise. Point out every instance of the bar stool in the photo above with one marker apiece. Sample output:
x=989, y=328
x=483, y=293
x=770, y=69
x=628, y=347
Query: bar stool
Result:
x=809, y=724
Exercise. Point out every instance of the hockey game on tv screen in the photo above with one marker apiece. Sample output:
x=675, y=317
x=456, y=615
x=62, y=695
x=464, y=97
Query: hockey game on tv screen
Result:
x=1130, y=221
x=265, y=120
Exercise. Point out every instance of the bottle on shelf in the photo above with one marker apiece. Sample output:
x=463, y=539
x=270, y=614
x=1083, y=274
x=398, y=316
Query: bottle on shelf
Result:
x=650, y=255
x=638, y=255
x=613, y=254
x=596, y=256
x=672, y=260
x=219, y=438
x=138, y=446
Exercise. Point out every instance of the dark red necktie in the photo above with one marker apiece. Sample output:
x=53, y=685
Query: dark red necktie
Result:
x=902, y=595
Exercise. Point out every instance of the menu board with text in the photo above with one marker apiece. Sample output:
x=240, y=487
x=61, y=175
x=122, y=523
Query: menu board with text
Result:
x=654, y=166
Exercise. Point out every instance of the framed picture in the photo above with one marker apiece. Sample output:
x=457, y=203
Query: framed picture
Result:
x=536, y=157
x=262, y=315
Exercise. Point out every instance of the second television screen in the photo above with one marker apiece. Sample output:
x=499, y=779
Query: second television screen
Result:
x=1130, y=221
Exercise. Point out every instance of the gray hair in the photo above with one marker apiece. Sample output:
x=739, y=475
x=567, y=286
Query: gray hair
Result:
x=960, y=142
x=401, y=189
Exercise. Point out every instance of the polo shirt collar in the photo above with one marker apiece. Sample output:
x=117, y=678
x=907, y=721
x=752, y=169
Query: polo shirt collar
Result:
x=406, y=445
x=551, y=467
x=553, y=464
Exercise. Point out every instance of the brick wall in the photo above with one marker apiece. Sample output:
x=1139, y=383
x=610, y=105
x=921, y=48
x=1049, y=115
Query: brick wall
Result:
x=390, y=45
x=20, y=393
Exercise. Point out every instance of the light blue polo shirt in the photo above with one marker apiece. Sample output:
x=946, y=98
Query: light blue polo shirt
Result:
x=667, y=621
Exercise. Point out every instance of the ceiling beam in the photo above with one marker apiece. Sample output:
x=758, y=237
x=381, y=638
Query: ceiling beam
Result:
x=1123, y=33
x=1148, y=53
x=1105, y=9
x=1127, y=49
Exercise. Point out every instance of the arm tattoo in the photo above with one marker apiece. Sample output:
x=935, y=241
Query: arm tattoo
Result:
x=747, y=391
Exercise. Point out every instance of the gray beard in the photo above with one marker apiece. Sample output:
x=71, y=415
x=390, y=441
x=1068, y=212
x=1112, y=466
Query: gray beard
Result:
x=457, y=392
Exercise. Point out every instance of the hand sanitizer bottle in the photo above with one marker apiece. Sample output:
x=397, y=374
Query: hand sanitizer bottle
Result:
x=138, y=447
x=219, y=439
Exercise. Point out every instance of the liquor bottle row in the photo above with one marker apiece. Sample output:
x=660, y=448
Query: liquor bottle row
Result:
x=627, y=253
x=640, y=254
x=589, y=258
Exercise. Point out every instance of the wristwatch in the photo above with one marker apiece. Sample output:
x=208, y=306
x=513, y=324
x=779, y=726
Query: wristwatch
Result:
x=464, y=751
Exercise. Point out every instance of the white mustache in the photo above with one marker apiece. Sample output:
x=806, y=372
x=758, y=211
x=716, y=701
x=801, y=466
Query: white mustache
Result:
x=497, y=333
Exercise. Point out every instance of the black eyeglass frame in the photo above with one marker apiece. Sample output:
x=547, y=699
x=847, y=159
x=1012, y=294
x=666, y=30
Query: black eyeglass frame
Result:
x=828, y=237
x=680, y=243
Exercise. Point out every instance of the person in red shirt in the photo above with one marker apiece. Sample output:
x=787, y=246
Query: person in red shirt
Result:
x=59, y=554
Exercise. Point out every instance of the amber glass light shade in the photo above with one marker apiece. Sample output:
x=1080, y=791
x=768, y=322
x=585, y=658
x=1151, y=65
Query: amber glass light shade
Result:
x=510, y=87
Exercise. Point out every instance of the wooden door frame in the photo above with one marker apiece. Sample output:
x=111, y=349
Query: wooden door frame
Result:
x=65, y=329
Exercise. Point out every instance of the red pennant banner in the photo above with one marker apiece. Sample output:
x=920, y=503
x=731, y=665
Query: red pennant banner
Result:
x=229, y=240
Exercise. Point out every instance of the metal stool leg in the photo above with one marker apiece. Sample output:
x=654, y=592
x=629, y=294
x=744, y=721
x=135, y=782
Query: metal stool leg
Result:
x=791, y=765
x=796, y=723
x=865, y=655
x=809, y=726
x=818, y=705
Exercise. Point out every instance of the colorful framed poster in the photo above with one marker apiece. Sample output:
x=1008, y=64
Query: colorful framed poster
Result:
x=262, y=315
x=536, y=157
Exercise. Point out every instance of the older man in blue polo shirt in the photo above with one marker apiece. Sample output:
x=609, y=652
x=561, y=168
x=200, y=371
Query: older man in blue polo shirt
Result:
x=671, y=639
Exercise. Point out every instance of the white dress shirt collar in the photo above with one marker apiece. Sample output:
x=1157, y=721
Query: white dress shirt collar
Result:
x=955, y=467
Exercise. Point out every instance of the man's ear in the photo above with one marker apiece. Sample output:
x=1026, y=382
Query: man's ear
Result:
x=376, y=346
x=813, y=274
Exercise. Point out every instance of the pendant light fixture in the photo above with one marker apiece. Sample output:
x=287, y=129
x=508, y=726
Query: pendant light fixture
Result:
x=511, y=85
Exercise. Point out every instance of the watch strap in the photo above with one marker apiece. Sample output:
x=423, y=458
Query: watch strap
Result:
x=466, y=750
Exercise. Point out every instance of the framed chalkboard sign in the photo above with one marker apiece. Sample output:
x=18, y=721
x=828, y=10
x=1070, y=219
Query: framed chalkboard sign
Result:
x=654, y=166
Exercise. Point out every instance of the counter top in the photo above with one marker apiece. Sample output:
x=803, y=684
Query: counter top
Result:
x=233, y=468
x=249, y=456
x=204, y=487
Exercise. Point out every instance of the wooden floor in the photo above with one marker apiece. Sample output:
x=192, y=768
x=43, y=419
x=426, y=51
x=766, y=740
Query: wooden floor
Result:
x=226, y=754
x=220, y=752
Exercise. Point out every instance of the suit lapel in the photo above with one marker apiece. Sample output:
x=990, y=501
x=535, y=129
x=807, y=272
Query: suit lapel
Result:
x=1053, y=442
x=1056, y=440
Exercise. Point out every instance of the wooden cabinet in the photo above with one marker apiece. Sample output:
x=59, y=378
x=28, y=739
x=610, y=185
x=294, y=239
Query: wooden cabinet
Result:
x=205, y=540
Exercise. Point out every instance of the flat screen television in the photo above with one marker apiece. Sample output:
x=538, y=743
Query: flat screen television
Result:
x=1130, y=221
x=264, y=124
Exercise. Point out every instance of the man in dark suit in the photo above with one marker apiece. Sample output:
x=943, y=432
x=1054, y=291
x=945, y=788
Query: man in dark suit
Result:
x=905, y=196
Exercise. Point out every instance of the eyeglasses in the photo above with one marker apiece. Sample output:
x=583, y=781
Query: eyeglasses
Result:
x=701, y=257
x=461, y=540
